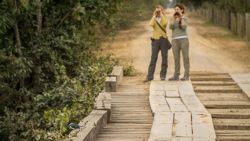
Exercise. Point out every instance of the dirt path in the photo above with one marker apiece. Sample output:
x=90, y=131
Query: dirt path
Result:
x=211, y=48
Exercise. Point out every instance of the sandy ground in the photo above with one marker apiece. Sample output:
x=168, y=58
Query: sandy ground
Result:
x=212, y=49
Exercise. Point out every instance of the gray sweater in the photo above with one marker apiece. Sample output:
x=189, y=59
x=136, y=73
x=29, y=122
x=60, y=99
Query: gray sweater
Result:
x=178, y=30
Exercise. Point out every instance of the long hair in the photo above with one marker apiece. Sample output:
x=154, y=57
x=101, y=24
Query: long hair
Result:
x=181, y=6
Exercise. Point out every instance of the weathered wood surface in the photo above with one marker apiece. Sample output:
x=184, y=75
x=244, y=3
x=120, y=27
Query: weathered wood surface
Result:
x=118, y=73
x=110, y=84
x=243, y=80
x=184, y=117
x=131, y=117
x=227, y=102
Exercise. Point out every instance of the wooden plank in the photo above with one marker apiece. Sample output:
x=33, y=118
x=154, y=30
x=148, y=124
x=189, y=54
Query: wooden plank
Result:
x=217, y=89
x=172, y=93
x=178, y=108
x=157, y=99
x=176, y=105
x=202, y=118
x=226, y=104
x=118, y=73
x=231, y=124
x=233, y=138
x=230, y=113
x=162, y=108
x=213, y=83
x=157, y=93
x=183, y=130
x=210, y=79
x=191, y=100
x=208, y=74
x=182, y=117
x=161, y=132
x=164, y=118
x=157, y=86
x=182, y=139
x=182, y=124
x=110, y=84
x=204, y=131
x=211, y=76
x=222, y=97
x=233, y=132
x=174, y=101
x=245, y=88
x=185, y=88
x=193, y=104
x=171, y=86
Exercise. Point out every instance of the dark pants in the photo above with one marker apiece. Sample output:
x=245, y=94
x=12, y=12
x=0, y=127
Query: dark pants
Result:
x=158, y=45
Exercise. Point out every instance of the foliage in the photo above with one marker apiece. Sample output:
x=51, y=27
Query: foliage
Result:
x=49, y=73
x=129, y=70
x=232, y=5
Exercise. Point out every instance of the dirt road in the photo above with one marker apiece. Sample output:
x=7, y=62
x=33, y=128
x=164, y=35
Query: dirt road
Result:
x=211, y=48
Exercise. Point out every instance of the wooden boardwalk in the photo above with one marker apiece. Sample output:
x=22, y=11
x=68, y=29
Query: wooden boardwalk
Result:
x=227, y=103
x=131, y=117
x=178, y=113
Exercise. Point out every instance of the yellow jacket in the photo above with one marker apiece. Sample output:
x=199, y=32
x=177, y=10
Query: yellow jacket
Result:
x=157, y=31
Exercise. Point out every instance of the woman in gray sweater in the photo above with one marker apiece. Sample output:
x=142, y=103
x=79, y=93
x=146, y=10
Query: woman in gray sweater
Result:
x=180, y=42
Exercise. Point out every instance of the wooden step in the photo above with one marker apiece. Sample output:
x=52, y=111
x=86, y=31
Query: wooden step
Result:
x=117, y=139
x=211, y=78
x=222, y=97
x=131, y=121
x=207, y=74
x=127, y=125
x=233, y=138
x=217, y=89
x=233, y=132
x=230, y=113
x=213, y=83
x=122, y=136
x=231, y=124
x=226, y=104
x=125, y=131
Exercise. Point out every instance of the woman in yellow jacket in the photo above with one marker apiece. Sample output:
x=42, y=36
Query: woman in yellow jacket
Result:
x=159, y=23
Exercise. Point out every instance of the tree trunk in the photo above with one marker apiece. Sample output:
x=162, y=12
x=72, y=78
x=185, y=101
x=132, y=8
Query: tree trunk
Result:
x=18, y=39
x=37, y=68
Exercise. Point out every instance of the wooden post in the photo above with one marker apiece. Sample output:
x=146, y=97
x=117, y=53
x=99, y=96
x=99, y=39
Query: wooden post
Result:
x=247, y=26
x=110, y=84
x=118, y=73
x=241, y=25
x=103, y=102
x=233, y=23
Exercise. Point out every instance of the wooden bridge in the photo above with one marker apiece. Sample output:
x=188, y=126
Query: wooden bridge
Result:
x=212, y=106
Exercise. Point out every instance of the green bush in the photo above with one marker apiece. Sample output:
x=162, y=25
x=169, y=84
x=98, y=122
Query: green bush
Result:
x=50, y=75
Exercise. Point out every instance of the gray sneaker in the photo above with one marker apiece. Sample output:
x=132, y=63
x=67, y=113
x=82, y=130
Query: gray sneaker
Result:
x=174, y=78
